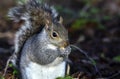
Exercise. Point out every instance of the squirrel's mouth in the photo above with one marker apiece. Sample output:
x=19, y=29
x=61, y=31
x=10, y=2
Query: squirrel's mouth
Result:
x=65, y=51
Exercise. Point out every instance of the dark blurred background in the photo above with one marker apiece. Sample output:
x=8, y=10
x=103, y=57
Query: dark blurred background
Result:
x=93, y=26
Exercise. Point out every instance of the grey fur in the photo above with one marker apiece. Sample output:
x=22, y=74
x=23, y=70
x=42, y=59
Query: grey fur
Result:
x=22, y=12
x=36, y=50
x=35, y=35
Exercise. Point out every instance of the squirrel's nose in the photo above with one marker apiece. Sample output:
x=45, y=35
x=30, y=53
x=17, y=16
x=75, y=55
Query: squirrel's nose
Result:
x=64, y=44
x=65, y=48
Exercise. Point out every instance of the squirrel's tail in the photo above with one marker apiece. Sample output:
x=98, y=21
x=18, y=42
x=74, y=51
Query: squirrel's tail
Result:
x=29, y=20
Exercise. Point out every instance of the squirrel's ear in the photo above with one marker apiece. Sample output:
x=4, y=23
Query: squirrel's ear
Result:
x=16, y=14
x=60, y=19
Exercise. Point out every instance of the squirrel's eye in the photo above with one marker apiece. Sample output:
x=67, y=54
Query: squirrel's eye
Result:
x=54, y=34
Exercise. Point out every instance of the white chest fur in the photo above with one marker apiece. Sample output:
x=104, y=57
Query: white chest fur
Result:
x=36, y=71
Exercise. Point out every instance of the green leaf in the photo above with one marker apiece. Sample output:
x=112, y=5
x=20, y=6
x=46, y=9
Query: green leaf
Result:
x=94, y=10
x=66, y=77
x=84, y=14
x=117, y=58
x=1, y=77
x=78, y=24
x=15, y=70
x=102, y=55
x=10, y=65
x=106, y=17
x=93, y=61
x=100, y=26
x=87, y=2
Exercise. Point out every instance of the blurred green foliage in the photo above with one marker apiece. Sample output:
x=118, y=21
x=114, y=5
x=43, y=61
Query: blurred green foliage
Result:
x=15, y=71
x=94, y=10
x=66, y=77
x=78, y=24
x=117, y=58
x=82, y=22
x=89, y=13
x=1, y=77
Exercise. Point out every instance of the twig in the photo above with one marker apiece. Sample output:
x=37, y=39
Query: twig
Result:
x=87, y=57
x=114, y=75
x=6, y=34
x=6, y=67
x=84, y=9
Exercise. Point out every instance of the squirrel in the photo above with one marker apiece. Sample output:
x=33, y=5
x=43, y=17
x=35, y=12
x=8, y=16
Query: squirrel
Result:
x=41, y=43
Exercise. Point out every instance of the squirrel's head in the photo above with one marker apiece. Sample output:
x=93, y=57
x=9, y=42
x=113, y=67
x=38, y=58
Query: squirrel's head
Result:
x=57, y=34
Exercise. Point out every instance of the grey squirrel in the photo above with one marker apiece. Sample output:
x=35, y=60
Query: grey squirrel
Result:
x=41, y=44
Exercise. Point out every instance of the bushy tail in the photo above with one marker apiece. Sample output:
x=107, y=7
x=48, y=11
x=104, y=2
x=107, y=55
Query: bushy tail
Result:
x=34, y=16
